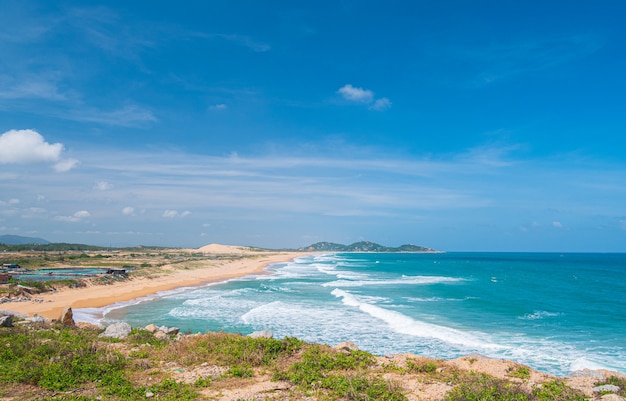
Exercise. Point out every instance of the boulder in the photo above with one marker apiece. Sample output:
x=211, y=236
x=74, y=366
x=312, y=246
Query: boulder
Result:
x=37, y=319
x=587, y=373
x=67, y=317
x=14, y=314
x=151, y=328
x=159, y=335
x=261, y=334
x=170, y=331
x=609, y=388
x=346, y=346
x=6, y=321
x=611, y=397
x=117, y=330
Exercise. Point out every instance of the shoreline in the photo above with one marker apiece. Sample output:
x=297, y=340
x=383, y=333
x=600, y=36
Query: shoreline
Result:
x=51, y=305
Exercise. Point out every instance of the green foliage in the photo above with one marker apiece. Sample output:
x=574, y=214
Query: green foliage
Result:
x=230, y=349
x=556, y=390
x=240, y=371
x=520, y=371
x=341, y=374
x=55, y=360
x=414, y=366
x=318, y=360
x=483, y=387
x=617, y=381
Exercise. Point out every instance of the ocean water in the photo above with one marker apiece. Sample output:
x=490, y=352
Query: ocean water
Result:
x=554, y=312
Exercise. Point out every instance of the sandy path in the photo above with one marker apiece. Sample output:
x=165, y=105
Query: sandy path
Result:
x=103, y=295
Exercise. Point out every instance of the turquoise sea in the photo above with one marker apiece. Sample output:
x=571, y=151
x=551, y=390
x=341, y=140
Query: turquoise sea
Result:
x=554, y=312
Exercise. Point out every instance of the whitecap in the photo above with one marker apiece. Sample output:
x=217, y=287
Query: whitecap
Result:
x=404, y=280
x=403, y=324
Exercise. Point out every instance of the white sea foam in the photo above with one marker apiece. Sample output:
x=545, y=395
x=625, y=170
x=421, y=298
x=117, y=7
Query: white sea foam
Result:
x=403, y=324
x=539, y=315
x=404, y=280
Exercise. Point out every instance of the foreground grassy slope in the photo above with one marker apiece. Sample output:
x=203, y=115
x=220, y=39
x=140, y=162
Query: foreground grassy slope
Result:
x=53, y=362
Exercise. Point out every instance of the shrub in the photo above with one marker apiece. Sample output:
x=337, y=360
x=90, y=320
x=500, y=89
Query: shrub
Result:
x=482, y=387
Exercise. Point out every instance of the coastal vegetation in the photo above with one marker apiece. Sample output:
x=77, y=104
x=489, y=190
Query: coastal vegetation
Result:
x=50, y=361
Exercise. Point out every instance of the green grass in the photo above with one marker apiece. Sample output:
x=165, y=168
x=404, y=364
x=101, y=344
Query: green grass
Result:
x=59, y=363
x=482, y=387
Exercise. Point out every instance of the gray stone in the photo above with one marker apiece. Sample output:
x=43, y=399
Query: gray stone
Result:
x=587, y=373
x=609, y=388
x=149, y=394
x=6, y=321
x=172, y=331
x=14, y=314
x=37, y=319
x=117, y=330
x=261, y=334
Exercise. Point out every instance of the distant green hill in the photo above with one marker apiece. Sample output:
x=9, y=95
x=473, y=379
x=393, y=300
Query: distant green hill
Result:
x=363, y=246
x=19, y=240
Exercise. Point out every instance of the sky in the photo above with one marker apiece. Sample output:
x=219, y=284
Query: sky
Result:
x=456, y=125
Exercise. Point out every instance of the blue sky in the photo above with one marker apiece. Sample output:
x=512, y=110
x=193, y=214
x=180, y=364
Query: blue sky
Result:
x=457, y=125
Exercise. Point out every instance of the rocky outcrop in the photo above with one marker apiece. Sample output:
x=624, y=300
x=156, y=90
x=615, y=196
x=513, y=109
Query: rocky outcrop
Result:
x=6, y=321
x=261, y=334
x=117, y=330
x=67, y=317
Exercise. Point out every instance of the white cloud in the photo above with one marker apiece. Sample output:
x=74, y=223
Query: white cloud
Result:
x=65, y=165
x=103, y=186
x=76, y=217
x=557, y=224
x=128, y=211
x=365, y=96
x=622, y=224
x=353, y=94
x=128, y=116
x=381, y=104
x=220, y=106
x=170, y=214
x=28, y=146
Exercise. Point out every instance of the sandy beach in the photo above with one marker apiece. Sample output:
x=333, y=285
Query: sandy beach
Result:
x=51, y=304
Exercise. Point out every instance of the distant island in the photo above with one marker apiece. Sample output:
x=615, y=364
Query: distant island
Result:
x=365, y=246
x=19, y=243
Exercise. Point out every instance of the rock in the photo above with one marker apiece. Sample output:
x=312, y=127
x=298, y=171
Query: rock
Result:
x=6, y=321
x=606, y=388
x=117, y=330
x=67, y=317
x=611, y=397
x=587, y=373
x=14, y=314
x=37, y=319
x=170, y=331
x=152, y=328
x=159, y=335
x=261, y=334
x=149, y=394
x=346, y=346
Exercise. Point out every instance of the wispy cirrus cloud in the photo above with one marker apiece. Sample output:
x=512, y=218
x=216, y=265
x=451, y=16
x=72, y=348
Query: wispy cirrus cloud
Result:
x=502, y=61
